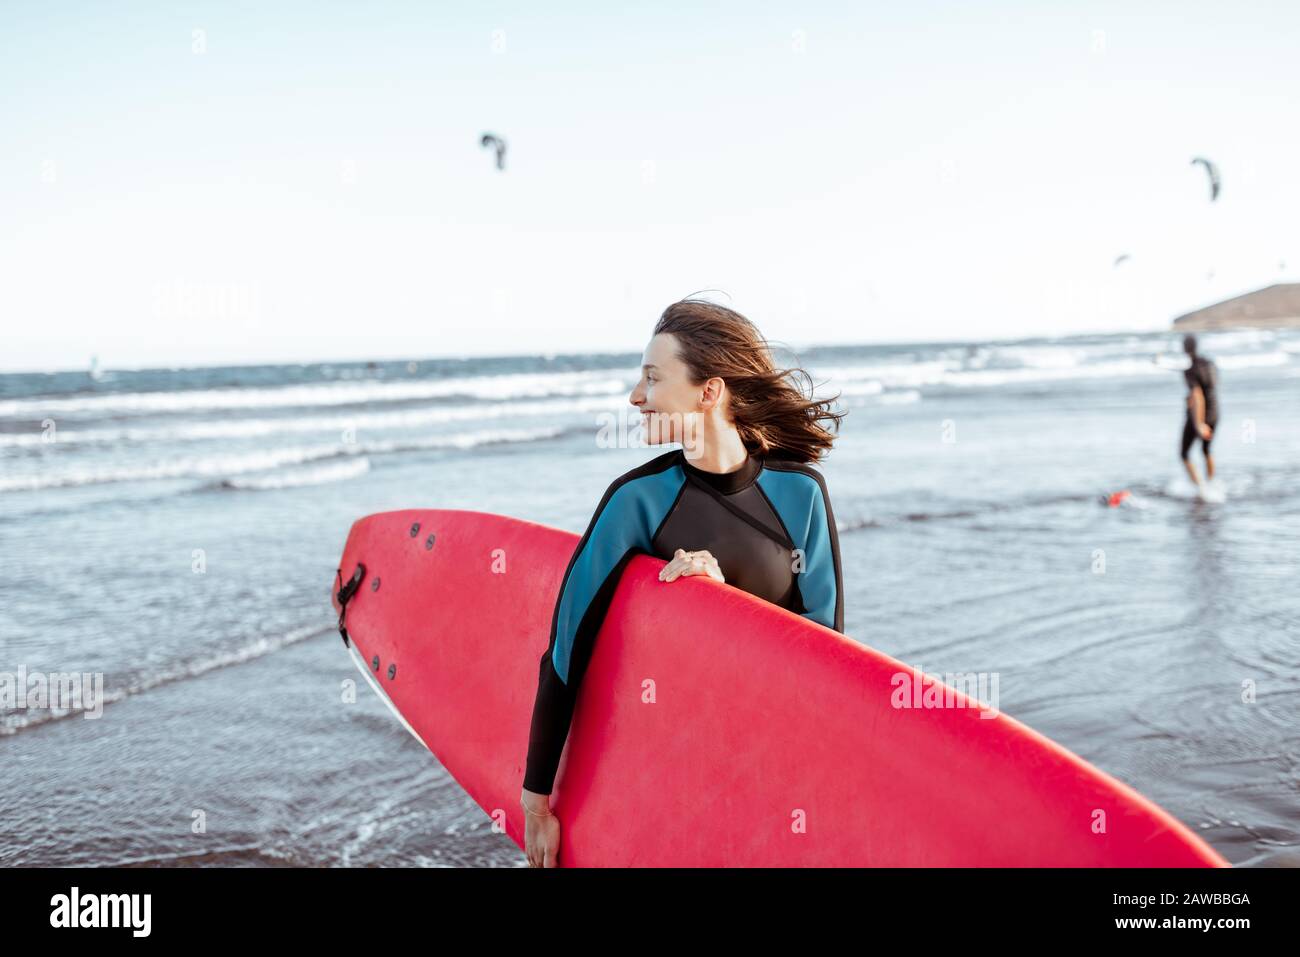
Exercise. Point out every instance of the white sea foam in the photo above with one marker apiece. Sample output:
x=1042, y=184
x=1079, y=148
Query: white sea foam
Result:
x=1253, y=360
x=319, y=424
x=14, y=721
x=334, y=393
x=294, y=478
x=224, y=465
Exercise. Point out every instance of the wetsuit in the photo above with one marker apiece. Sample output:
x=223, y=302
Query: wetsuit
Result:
x=1202, y=372
x=751, y=520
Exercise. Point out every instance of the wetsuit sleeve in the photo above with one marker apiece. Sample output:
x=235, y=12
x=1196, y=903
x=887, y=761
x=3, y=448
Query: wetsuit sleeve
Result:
x=821, y=583
x=615, y=534
x=1201, y=373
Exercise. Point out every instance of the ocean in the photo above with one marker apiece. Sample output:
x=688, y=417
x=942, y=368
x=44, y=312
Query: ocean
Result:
x=177, y=532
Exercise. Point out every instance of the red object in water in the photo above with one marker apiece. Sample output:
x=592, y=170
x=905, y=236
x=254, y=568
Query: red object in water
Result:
x=1118, y=498
x=713, y=728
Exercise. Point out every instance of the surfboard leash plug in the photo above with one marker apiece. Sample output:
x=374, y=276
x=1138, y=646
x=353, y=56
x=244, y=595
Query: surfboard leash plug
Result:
x=345, y=594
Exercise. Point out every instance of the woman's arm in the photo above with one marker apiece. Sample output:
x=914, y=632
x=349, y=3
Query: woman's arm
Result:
x=821, y=582
x=613, y=536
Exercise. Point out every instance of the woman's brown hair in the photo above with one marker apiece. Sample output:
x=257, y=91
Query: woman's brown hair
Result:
x=771, y=413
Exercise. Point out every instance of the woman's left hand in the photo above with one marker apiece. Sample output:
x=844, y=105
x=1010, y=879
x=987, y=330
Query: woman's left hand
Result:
x=691, y=563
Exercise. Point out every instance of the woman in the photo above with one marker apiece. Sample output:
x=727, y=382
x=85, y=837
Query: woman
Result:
x=738, y=502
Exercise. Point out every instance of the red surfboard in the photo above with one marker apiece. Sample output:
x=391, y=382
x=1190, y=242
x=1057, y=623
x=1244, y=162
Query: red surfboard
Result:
x=713, y=728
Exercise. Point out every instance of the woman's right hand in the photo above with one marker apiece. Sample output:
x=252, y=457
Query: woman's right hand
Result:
x=541, y=830
x=684, y=563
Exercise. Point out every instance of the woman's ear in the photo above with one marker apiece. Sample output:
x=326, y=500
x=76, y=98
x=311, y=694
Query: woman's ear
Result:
x=714, y=390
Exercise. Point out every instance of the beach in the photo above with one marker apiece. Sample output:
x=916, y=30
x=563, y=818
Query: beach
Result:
x=177, y=532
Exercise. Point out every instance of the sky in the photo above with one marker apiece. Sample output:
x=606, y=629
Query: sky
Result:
x=203, y=183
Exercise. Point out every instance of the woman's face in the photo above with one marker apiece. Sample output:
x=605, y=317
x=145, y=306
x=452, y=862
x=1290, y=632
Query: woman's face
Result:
x=669, y=404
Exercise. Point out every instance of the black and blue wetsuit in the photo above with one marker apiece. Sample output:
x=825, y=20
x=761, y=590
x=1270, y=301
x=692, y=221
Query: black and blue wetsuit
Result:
x=751, y=520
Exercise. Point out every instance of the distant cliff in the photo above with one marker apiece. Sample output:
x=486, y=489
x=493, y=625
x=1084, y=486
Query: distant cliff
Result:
x=1272, y=307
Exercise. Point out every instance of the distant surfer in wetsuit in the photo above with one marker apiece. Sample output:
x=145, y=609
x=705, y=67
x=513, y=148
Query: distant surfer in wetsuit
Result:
x=739, y=502
x=1202, y=409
